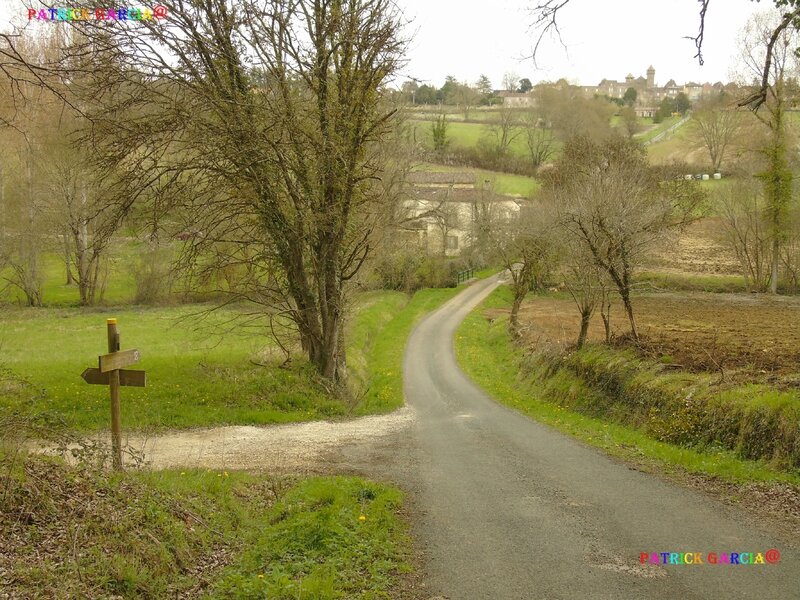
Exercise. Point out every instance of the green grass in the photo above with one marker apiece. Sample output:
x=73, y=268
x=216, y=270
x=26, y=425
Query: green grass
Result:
x=466, y=135
x=481, y=114
x=485, y=351
x=385, y=366
x=674, y=146
x=197, y=374
x=328, y=538
x=198, y=533
x=651, y=129
x=503, y=183
x=372, y=312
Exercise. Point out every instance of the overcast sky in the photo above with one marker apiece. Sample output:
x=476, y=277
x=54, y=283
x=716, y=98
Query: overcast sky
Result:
x=604, y=39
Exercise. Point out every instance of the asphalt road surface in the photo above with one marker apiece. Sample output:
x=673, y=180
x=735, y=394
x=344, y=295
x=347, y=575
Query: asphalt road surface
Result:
x=504, y=508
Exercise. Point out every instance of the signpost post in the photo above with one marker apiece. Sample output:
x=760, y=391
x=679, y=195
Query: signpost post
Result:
x=111, y=372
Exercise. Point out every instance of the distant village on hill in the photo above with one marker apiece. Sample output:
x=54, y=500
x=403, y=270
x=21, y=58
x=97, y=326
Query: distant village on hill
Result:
x=648, y=95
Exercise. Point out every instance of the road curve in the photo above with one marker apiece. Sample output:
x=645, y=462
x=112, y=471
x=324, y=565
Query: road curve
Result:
x=511, y=509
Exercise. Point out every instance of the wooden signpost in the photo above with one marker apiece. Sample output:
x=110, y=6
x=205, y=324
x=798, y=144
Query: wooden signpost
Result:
x=111, y=372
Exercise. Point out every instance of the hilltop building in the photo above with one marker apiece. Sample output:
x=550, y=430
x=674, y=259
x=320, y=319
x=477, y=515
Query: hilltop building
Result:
x=648, y=94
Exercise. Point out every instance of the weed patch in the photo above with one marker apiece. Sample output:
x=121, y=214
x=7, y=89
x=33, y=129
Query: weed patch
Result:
x=72, y=532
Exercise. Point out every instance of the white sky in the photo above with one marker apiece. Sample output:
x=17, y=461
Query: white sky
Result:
x=604, y=39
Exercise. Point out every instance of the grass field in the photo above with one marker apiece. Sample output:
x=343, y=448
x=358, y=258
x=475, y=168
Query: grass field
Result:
x=466, y=135
x=196, y=534
x=199, y=375
x=651, y=129
x=481, y=114
x=679, y=146
x=119, y=289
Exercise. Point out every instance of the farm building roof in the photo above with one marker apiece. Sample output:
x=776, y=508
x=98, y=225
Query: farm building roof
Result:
x=458, y=195
x=423, y=177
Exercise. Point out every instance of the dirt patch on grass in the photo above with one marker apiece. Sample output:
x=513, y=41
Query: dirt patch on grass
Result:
x=756, y=336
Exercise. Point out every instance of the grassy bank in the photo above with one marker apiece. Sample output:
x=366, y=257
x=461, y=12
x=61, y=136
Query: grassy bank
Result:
x=467, y=135
x=691, y=282
x=385, y=365
x=561, y=396
x=70, y=533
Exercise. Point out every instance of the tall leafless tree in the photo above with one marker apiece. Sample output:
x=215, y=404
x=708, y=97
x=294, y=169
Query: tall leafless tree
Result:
x=271, y=113
x=528, y=247
x=609, y=198
x=716, y=123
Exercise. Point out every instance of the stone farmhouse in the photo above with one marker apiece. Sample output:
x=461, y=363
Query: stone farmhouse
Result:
x=516, y=99
x=446, y=213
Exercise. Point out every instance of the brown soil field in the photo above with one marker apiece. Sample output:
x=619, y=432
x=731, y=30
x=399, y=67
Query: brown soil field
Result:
x=755, y=336
x=699, y=249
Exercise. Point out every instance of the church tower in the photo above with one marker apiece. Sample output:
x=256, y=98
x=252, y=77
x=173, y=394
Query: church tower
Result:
x=651, y=78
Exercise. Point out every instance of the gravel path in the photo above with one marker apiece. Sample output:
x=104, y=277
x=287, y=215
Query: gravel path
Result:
x=292, y=447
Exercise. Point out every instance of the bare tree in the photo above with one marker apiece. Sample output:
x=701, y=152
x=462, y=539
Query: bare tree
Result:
x=716, y=124
x=609, y=198
x=272, y=111
x=528, y=248
x=568, y=112
x=87, y=207
x=584, y=282
x=510, y=82
x=24, y=235
x=539, y=138
x=503, y=131
x=466, y=98
x=746, y=231
x=630, y=120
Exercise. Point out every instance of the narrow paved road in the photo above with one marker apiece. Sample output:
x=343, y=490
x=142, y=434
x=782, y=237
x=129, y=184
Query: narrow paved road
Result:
x=509, y=509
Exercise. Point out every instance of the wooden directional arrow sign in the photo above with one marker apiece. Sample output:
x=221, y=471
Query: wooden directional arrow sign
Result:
x=126, y=377
x=118, y=360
